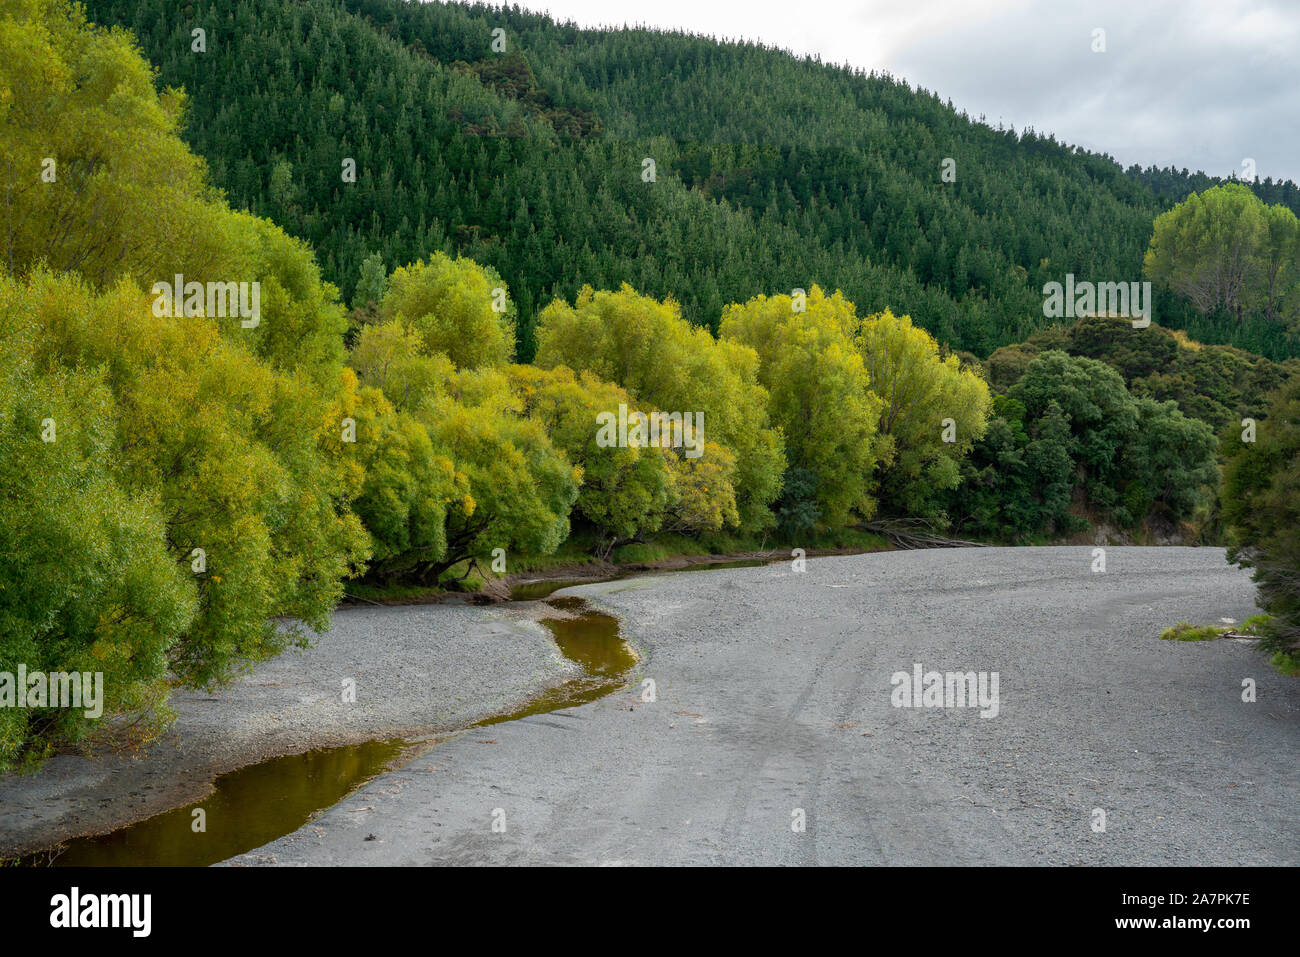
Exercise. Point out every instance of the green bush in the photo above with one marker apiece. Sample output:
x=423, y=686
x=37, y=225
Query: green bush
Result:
x=1261, y=511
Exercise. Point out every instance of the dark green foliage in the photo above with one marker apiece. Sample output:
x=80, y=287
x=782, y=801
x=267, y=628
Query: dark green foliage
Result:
x=1170, y=461
x=1261, y=510
x=1016, y=483
x=1101, y=413
x=1173, y=186
x=796, y=508
x=1132, y=352
x=1070, y=434
x=1216, y=384
x=372, y=284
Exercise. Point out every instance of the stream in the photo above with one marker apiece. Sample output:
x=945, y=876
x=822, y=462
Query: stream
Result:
x=261, y=802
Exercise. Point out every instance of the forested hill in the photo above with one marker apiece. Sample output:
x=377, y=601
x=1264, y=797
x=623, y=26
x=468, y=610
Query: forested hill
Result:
x=771, y=172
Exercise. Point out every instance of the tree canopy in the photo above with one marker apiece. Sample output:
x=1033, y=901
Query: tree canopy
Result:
x=1224, y=249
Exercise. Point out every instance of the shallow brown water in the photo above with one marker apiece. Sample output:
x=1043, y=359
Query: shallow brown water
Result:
x=265, y=801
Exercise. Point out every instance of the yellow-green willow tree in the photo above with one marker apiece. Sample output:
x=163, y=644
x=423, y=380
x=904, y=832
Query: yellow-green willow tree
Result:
x=521, y=487
x=820, y=394
x=93, y=174
x=458, y=308
x=626, y=491
x=409, y=488
x=206, y=462
x=464, y=470
x=244, y=463
x=1224, y=248
x=933, y=410
x=646, y=347
x=86, y=579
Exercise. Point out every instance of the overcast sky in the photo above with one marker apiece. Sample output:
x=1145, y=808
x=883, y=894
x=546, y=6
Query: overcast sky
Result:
x=1201, y=84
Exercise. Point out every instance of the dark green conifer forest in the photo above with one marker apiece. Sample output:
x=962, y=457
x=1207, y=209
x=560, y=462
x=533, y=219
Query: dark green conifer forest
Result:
x=771, y=172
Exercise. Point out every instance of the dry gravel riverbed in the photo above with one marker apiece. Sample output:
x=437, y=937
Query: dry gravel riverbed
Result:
x=773, y=700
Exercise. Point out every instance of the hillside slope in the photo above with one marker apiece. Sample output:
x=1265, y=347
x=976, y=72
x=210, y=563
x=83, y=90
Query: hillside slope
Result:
x=772, y=172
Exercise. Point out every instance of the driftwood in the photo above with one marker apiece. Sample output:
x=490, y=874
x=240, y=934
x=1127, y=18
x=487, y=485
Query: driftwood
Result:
x=915, y=533
x=351, y=597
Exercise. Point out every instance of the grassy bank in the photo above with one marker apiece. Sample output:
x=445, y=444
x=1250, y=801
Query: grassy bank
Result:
x=576, y=559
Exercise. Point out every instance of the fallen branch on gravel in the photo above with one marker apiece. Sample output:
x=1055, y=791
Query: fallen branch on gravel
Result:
x=915, y=533
x=350, y=597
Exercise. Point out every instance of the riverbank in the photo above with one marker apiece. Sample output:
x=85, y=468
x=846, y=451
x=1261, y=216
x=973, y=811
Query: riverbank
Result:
x=514, y=585
x=417, y=672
